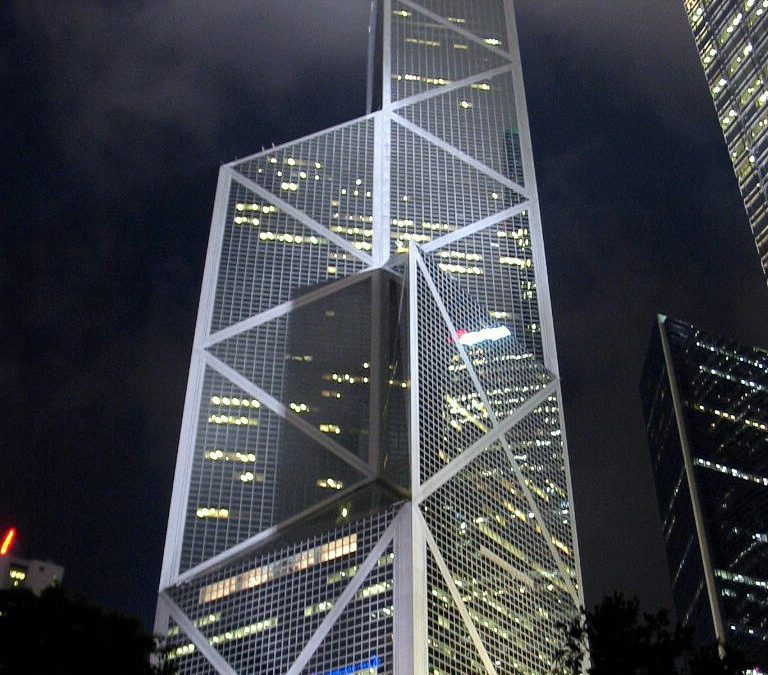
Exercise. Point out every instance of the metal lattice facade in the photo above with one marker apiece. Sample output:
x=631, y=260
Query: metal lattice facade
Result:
x=732, y=39
x=372, y=472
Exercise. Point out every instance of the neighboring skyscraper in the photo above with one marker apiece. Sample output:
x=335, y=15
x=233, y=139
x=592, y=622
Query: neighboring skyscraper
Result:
x=706, y=411
x=35, y=575
x=372, y=475
x=15, y=572
x=732, y=38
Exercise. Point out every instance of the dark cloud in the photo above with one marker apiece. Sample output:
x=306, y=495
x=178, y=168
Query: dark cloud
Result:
x=122, y=80
x=641, y=53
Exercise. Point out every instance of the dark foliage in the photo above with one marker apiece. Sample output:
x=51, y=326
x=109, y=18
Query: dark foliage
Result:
x=55, y=635
x=616, y=638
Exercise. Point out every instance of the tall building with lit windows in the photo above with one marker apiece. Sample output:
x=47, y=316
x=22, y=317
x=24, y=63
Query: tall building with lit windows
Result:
x=732, y=39
x=706, y=410
x=372, y=473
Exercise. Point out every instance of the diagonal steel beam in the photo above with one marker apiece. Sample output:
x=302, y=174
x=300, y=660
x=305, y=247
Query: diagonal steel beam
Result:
x=303, y=218
x=533, y=505
x=460, y=606
x=459, y=154
x=283, y=411
x=198, y=639
x=472, y=228
x=340, y=604
x=460, y=347
x=289, y=144
x=450, y=470
x=542, y=524
x=452, y=86
x=246, y=546
x=284, y=308
x=456, y=29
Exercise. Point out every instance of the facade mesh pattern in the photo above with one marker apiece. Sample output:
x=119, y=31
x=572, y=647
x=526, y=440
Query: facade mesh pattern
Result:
x=427, y=54
x=235, y=437
x=506, y=284
x=329, y=177
x=536, y=443
x=363, y=632
x=261, y=611
x=476, y=121
x=732, y=39
x=434, y=193
x=450, y=647
x=484, y=20
x=260, y=245
x=501, y=564
x=452, y=416
x=370, y=344
x=302, y=347
x=504, y=370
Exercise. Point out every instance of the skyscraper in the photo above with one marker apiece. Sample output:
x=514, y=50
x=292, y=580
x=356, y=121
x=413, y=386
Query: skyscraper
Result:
x=732, y=39
x=706, y=410
x=372, y=474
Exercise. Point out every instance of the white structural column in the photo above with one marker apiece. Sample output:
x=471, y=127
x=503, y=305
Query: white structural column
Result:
x=693, y=489
x=410, y=579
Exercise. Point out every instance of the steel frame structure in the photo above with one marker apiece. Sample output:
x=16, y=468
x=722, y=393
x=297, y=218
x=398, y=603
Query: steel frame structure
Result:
x=504, y=395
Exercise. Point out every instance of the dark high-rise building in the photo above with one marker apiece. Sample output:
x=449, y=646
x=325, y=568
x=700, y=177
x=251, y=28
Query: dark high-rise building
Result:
x=706, y=409
x=372, y=472
x=732, y=39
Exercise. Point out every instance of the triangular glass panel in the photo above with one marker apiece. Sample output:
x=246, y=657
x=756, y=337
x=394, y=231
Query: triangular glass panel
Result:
x=486, y=20
x=250, y=470
x=328, y=176
x=434, y=193
x=424, y=52
x=537, y=444
x=495, y=265
x=450, y=648
x=394, y=378
x=451, y=413
x=499, y=560
x=481, y=122
x=259, y=611
x=368, y=617
x=316, y=360
x=267, y=258
x=505, y=370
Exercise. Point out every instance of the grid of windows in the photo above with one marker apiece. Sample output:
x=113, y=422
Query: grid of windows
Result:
x=508, y=578
x=320, y=177
x=427, y=54
x=732, y=39
x=268, y=257
x=330, y=399
x=260, y=611
x=715, y=465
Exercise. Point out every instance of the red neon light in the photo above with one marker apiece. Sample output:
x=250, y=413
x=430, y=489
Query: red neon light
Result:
x=7, y=541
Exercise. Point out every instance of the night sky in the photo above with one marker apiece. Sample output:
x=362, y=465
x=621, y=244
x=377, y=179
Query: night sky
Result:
x=114, y=118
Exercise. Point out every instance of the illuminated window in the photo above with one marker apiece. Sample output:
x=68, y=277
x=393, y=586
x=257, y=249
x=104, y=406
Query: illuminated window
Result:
x=295, y=563
x=211, y=512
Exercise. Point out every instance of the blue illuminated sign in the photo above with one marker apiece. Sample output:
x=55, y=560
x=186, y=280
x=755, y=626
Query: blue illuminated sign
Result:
x=373, y=662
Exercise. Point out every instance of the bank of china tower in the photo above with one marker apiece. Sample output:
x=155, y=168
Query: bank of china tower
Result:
x=372, y=474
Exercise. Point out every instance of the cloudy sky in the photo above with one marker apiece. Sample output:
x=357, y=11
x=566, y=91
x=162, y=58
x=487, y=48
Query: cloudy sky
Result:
x=115, y=118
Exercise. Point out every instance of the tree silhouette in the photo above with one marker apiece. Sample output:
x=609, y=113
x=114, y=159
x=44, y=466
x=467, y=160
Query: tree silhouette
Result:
x=55, y=635
x=615, y=638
